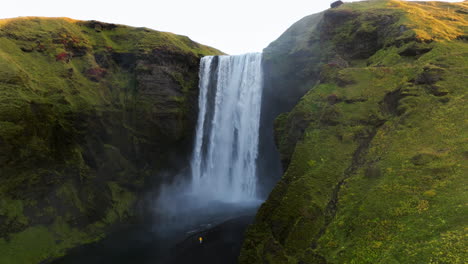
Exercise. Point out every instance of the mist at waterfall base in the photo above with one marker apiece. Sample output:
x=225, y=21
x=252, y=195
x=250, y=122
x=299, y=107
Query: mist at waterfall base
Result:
x=223, y=176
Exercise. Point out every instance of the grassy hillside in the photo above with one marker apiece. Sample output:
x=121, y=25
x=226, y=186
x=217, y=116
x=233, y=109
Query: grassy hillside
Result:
x=89, y=113
x=376, y=150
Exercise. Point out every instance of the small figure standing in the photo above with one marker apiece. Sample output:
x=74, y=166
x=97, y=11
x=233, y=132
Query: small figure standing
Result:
x=200, y=239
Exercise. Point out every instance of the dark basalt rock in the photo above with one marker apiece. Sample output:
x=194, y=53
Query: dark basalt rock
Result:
x=102, y=59
x=437, y=90
x=415, y=49
x=95, y=74
x=27, y=49
x=97, y=25
x=125, y=60
x=463, y=37
x=429, y=76
x=336, y=4
x=355, y=100
x=366, y=34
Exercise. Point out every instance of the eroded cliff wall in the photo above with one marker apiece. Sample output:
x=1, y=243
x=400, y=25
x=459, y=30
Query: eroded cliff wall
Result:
x=89, y=114
x=375, y=152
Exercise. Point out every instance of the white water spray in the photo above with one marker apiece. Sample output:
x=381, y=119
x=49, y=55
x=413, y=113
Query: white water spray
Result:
x=226, y=144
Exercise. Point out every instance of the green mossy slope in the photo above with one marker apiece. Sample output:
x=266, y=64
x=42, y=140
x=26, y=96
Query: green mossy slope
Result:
x=89, y=112
x=376, y=151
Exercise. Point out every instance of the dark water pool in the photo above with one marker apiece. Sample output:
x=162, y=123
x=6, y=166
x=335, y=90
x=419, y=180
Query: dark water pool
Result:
x=222, y=227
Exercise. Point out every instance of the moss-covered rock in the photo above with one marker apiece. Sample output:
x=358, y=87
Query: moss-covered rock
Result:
x=89, y=112
x=375, y=151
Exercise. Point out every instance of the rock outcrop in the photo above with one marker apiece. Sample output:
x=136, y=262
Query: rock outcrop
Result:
x=374, y=151
x=336, y=4
x=90, y=112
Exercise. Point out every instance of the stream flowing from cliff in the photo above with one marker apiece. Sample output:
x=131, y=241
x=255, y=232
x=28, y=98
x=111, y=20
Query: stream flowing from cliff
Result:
x=224, y=159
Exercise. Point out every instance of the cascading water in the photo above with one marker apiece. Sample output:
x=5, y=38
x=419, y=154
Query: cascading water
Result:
x=226, y=144
x=220, y=200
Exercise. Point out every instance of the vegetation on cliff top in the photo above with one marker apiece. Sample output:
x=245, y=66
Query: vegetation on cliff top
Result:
x=376, y=151
x=88, y=112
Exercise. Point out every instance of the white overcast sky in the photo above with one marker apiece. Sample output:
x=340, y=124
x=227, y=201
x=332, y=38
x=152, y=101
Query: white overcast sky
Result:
x=233, y=26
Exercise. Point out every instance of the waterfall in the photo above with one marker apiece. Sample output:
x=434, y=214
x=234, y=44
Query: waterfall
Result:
x=226, y=145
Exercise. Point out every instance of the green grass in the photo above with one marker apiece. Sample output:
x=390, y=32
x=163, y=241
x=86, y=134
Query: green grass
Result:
x=378, y=174
x=66, y=99
x=38, y=243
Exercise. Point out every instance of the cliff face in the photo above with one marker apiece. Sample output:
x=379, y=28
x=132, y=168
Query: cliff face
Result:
x=375, y=152
x=89, y=113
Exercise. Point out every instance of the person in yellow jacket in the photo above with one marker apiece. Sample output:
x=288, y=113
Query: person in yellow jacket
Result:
x=200, y=239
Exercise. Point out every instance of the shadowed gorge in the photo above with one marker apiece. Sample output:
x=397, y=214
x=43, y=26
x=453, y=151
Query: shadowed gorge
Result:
x=89, y=114
x=201, y=216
